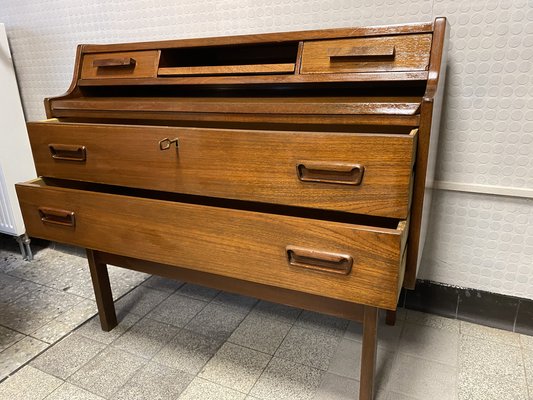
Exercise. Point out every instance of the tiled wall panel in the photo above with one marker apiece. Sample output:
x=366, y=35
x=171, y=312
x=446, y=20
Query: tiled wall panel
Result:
x=479, y=241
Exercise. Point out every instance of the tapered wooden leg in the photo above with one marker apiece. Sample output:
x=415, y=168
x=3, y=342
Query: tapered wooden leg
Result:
x=102, y=291
x=368, y=355
x=390, y=318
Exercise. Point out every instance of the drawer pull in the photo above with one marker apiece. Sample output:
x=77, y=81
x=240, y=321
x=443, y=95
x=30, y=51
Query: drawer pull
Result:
x=364, y=52
x=341, y=173
x=68, y=152
x=166, y=143
x=57, y=217
x=319, y=260
x=114, y=62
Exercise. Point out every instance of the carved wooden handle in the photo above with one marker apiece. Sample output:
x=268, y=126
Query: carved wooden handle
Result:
x=330, y=172
x=68, y=152
x=385, y=52
x=57, y=217
x=319, y=260
x=114, y=62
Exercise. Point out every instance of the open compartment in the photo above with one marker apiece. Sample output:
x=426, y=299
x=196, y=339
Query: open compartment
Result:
x=257, y=59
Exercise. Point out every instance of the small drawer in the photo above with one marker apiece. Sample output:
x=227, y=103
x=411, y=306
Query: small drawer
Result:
x=131, y=64
x=345, y=261
x=369, y=54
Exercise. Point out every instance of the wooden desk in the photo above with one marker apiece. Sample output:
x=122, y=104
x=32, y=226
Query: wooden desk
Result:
x=291, y=167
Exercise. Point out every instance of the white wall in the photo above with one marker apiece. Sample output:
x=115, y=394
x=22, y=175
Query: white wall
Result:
x=475, y=240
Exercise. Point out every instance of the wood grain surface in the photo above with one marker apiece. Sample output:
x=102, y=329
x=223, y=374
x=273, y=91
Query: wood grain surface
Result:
x=144, y=65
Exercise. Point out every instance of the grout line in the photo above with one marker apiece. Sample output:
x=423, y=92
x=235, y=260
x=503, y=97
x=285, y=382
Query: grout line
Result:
x=516, y=315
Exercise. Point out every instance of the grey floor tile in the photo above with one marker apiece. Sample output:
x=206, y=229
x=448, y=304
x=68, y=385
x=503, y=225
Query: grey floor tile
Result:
x=67, y=356
x=66, y=322
x=285, y=380
x=177, y=310
x=77, y=281
x=28, y=384
x=335, y=387
x=155, y=382
x=68, y=391
x=388, y=336
x=106, y=373
x=127, y=278
x=235, y=367
x=260, y=333
x=492, y=334
x=235, y=302
x=162, y=284
x=93, y=330
x=11, y=288
x=18, y=354
x=36, y=308
x=490, y=370
x=309, y=347
x=430, y=343
x=433, y=321
x=526, y=342
x=9, y=337
x=198, y=292
x=216, y=321
x=423, y=379
x=200, y=389
x=326, y=323
x=528, y=364
x=145, y=338
x=140, y=301
x=188, y=351
x=399, y=396
x=346, y=362
x=276, y=311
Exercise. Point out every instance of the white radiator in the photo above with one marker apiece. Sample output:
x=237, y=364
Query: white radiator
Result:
x=16, y=163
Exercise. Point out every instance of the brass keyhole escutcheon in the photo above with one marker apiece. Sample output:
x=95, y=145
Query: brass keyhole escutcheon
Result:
x=166, y=143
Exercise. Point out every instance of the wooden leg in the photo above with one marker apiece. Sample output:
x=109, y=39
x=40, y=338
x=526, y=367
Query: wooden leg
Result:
x=102, y=291
x=390, y=319
x=368, y=356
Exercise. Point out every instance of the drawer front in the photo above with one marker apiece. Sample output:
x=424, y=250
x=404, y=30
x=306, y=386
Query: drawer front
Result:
x=131, y=64
x=338, y=260
x=371, y=54
x=359, y=173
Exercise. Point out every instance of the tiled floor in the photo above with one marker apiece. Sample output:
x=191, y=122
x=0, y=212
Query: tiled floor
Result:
x=179, y=341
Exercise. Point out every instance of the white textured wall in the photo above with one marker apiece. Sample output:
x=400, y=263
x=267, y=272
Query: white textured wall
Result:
x=475, y=240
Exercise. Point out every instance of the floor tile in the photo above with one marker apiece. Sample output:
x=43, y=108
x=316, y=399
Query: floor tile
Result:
x=235, y=367
x=433, y=321
x=285, y=380
x=68, y=391
x=67, y=356
x=325, y=323
x=106, y=373
x=346, y=362
x=145, y=338
x=28, y=384
x=309, y=347
x=216, y=321
x=93, y=330
x=200, y=389
x=490, y=370
x=430, y=343
x=335, y=387
x=11, y=288
x=235, y=302
x=162, y=284
x=198, y=292
x=398, y=396
x=155, y=382
x=526, y=342
x=126, y=278
x=19, y=353
x=276, y=311
x=8, y=337
x=177, y=310
x=188, y=351
x=77, y=281
x=388, y=336
x=423, y=379
x=66, y=322
x=260, y=333
x=528, y=364
x=492, y=334
x=140, y=301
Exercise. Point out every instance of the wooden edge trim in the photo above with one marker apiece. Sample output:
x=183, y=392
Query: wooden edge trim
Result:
x=292, y=298
x=438, y=50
